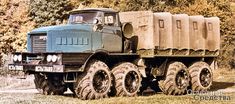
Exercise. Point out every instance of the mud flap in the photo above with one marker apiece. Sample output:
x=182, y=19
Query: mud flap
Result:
x=142, y=71
x=141, y=67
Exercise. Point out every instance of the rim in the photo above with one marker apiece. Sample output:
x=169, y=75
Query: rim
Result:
x=100, y=81
x=131, y=81
x=205, y=77
x=181, y=79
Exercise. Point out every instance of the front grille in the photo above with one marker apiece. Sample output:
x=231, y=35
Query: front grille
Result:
x=38, y=42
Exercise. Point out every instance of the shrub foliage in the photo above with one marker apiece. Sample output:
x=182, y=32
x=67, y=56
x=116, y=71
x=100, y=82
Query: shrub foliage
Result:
x=49, y=12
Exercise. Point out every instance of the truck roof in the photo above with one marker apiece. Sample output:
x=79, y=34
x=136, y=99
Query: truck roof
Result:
x=93, y=9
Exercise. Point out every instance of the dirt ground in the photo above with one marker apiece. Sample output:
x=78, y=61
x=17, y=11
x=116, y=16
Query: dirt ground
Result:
x=22, y=91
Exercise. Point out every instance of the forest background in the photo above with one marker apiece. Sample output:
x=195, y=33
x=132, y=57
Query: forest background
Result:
x=17, y=17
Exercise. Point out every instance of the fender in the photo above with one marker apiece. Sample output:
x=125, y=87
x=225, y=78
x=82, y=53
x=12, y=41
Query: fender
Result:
x=99, y=54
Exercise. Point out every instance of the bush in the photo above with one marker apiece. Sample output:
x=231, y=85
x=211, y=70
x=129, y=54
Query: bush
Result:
x=14, y=24
x=49, y=12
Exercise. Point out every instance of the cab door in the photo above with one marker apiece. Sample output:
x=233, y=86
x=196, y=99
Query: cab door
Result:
x=111, y=33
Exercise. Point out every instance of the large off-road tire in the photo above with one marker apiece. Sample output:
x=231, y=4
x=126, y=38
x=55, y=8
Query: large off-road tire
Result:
x=53, y=85
x=96, y=82
x=176, y=80
x=38, y=80
x=127, y=79
x=201, y=76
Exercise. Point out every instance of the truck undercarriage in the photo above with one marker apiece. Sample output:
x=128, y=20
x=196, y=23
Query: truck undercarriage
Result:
x=114, y=74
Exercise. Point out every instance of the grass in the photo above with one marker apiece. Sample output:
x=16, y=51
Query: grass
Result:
x=153, y=99
x=223, y=79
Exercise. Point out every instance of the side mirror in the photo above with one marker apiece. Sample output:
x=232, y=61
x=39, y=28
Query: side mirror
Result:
x=97, y=25
x=96, y=21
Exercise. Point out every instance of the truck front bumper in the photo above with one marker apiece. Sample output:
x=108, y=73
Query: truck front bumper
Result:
x=36, y=68
x=38, y=62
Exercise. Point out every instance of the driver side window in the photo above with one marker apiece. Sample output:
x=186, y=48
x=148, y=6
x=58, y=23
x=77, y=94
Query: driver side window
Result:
x=110, y=19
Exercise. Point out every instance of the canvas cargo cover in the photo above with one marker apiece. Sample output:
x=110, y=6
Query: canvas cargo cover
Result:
x=163, y=30
x=142, y=22
x=197, y=32
x=212, y=33
x=153, y=29
x=180, y=32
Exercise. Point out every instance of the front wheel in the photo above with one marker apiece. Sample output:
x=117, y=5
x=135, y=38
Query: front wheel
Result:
x=96, y=82
x=53, y=85
x=38, y=80
x=49, y=84
x=176, y=80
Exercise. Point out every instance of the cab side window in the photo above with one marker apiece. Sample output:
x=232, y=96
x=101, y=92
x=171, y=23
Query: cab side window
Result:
x=110, y=19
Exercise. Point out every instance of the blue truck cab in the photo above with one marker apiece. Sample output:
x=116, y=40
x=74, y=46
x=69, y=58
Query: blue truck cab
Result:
x=56, y=48
x=87, y=30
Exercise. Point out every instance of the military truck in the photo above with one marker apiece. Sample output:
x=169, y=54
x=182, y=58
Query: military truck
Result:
x=101, y=53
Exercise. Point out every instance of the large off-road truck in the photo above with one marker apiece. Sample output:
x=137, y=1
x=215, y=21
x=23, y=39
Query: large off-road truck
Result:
x=102, y=53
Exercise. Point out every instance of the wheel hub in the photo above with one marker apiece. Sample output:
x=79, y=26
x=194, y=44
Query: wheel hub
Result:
x=100, y=81
x=131, y=81
x=205, y=77
x=181, y=79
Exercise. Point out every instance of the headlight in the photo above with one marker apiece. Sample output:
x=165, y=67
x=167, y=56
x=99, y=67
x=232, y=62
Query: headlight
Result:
x=15, y=57
x=49, y=58
x=54, y=58
x=19, y=58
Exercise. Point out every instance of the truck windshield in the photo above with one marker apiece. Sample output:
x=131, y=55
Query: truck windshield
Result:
x=83, y=17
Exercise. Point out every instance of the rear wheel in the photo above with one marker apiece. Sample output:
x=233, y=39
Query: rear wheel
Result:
x=176, y=80
x=201, y=76
x=96, y=82
x=127, y=79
